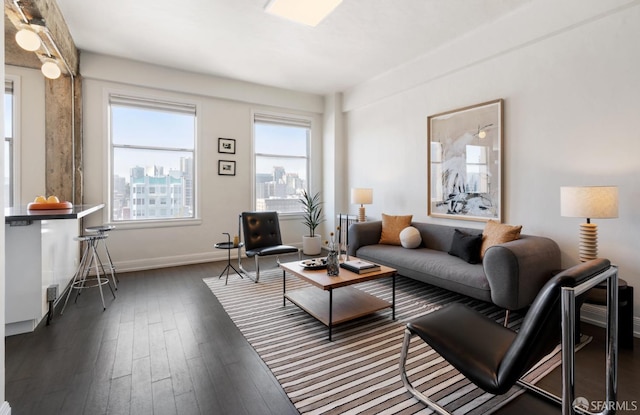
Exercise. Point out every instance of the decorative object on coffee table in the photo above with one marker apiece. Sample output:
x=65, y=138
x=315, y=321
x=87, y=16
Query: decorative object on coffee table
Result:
x=361, y=196
x=590, y=202
x=333, y=267
x=465, y=162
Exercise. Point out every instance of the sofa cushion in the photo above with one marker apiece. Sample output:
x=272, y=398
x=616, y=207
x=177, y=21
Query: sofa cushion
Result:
x=498, y=233
x=433, y=267
x=466, y=246
x=410, y=237
x=391, y=228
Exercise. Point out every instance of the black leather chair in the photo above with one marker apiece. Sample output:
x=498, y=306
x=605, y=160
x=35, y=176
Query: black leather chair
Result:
x=262, y=238
x=495, y=358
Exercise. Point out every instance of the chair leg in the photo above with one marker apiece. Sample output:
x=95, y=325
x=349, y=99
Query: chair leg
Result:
x=247, y=273
x=97, y=262
x=257, y=268
x=404, y=352
x=76, y=276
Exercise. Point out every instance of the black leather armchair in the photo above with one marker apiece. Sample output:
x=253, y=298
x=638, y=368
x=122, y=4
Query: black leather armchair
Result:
x=495, y=358
x=261, y=231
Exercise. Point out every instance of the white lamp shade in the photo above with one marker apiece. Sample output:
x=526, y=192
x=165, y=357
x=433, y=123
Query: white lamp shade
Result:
x=50, y=69
x=362, y=196
x=593, y=202
x=27, y=39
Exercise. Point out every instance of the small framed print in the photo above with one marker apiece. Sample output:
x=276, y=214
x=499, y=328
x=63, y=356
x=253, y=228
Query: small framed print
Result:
x=226, y=145
x=226, y=168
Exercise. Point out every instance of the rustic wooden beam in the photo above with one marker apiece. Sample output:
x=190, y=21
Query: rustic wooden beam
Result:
x=59, y=30
x=52, y=28
x=63, y=103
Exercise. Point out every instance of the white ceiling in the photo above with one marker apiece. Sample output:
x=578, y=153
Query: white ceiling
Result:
x=237, y=39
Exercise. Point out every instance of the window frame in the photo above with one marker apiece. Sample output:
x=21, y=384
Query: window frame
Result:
x=15, y=194
x=284, y=119
x=166, y=101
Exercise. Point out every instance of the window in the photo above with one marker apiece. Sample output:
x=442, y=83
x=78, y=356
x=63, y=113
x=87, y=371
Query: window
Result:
x=8, y=143
x=281, y=162
x=477, y=169
x=152, y=146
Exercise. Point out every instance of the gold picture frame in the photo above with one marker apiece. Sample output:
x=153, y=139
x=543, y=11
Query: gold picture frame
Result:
x=464, y=154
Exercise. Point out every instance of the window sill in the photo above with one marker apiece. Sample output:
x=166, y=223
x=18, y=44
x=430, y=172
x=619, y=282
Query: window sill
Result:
x=154, y=224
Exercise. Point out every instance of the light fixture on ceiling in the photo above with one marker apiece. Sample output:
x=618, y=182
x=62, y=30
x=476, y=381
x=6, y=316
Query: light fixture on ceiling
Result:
x=50, y=69
x=27, y=39
x=308, y=12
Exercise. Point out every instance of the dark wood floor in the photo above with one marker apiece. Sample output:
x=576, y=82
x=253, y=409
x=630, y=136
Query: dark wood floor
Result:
x=166, y=346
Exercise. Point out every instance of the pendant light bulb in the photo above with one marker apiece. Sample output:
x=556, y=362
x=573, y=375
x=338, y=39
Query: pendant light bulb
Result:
x=27, y=39
x=50, y=69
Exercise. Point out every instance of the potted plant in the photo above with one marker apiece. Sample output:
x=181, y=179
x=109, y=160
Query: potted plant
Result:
x=312, y=209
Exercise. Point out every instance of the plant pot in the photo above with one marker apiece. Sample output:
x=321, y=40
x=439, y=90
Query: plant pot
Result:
x=312, y=245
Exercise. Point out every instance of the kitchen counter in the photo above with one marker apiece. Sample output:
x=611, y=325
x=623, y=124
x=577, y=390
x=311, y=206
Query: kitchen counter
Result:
x=22, y=213
x=41, y=255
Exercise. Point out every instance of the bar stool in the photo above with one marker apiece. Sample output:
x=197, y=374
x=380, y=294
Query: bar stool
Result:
x=104, y=230
x=89, y=258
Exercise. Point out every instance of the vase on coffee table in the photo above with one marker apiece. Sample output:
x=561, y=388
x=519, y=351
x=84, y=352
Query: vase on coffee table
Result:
x=333, y=267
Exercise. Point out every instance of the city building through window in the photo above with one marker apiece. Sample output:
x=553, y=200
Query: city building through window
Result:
x=281, y=162
x=152, y=159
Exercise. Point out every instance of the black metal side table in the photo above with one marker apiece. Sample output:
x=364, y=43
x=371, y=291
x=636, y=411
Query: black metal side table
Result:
x=228, y=246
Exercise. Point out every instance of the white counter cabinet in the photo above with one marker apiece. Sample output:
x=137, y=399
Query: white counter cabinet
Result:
x=40, y=253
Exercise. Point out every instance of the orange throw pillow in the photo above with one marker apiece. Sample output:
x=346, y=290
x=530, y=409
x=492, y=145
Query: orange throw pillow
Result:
x=497, y=233
x=391, y=228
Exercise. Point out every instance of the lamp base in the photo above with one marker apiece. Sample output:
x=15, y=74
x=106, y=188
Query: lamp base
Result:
x=361, y=217
x=588, y=248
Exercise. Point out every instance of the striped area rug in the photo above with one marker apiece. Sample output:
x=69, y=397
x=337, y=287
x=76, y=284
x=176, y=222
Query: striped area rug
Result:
x=357, y=373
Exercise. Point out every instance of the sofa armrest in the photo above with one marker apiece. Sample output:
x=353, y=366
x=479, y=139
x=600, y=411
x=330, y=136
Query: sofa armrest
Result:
x=517, y=270
x=363, y=233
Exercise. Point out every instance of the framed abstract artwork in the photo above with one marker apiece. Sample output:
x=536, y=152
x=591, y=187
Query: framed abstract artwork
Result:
x=227, y=145
x=465, y=162
x=226, y=168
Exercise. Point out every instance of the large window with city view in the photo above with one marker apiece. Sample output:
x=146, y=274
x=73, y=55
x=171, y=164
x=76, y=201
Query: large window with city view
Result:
x=281, y=159
x=152, y=159
x=8, y=143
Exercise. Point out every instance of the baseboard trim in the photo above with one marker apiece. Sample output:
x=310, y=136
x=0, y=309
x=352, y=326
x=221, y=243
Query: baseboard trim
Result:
x=597, y=316
x=179, y=260
x=5, y=409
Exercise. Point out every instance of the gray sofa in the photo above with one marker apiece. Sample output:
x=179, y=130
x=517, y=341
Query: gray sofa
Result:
x=510, y=275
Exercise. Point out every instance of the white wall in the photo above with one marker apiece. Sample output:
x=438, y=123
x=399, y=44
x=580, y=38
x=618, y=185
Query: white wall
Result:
x=225, y=109
x=30, y=132
x=569, y=74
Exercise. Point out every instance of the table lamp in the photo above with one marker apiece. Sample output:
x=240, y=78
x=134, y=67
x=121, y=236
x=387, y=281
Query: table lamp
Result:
x=361, y=197
x=590, y=202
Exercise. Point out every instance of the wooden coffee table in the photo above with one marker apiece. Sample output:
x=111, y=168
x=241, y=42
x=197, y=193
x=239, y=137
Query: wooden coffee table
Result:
x=346, y=303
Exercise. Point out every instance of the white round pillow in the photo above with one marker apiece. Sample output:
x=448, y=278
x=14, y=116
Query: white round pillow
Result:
x=410, y=237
